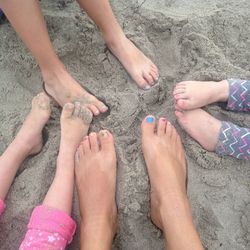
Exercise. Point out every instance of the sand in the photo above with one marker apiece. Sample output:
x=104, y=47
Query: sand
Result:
x=200, y=40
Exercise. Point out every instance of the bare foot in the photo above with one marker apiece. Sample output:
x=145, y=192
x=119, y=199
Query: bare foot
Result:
x=64, y=89
x=30, y=134
x=75, y=122
x=201, y=126
x=165, y=160
x=96, y=183
x=191, y=94
x=142, y=70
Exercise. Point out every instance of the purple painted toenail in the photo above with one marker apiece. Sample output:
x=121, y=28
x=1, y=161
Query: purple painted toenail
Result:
x=150, y=119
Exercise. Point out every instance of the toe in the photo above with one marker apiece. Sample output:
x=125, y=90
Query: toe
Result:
x=106, y=140
x=86, y=115
x=148, y=125
x=154, y=76
x=150, y=80
x=77, y=109
x=100, y=106
x=86, y=145
x=180, y=117
x=142, y=82
x=178, y=91
x=181, y=96
x=94, y=145
x=169, y=130
x=182, y=103
x=94, y=109
x=68, y=109
x=161, y=129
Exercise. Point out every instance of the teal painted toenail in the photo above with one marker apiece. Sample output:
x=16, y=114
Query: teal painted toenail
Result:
x=150, y=119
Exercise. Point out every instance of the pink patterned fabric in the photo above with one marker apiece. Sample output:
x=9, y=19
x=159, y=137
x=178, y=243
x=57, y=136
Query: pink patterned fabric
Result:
x=48, y=228
x=2, y=206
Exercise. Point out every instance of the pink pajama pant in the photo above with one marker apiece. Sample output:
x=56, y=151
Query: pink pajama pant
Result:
x=48, y=229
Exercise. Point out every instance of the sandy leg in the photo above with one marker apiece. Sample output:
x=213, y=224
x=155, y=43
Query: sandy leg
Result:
x=75, y=122
x=28, y=141
x=96, y=182
x=201, y=126
x=192, y=94
x=165, y=160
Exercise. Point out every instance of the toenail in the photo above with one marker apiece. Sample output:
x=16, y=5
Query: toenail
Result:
x=85, y=138
x=104, y=133
x=150, y=119
x=163, y=119
x=69, y=106
x=147, y=87
x=92, y=134
x=104, y=109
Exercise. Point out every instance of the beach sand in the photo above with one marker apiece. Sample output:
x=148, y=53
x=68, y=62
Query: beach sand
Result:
x=199, y=40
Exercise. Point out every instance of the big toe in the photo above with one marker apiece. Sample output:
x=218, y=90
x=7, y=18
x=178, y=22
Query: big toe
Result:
x=148, y=126
x=106, y=140
x=41, y=100
x=68, y=110
x=86, y=115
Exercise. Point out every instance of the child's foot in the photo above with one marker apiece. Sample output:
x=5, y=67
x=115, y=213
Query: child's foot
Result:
x=64, y=89
x=200, y=125
x=75, y=122
x=30, y=134
x=165, y=160
x=141, y=68
x=192, y=94
x=96, y=183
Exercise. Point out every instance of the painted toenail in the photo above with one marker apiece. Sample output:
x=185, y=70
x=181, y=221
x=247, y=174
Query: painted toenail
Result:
x=150, y=119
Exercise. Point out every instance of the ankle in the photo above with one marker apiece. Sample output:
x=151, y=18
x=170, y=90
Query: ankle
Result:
x=223, y=91
x=53, y=73
x=114, y=40
x=100, y=230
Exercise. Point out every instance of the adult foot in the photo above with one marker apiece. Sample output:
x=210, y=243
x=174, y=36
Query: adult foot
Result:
x=30, y=134
x=96, y=183
x=193, y=94
x=165, y=160
x=75, y=122
x=201, y=126
x=142, y=70
x=64, y=89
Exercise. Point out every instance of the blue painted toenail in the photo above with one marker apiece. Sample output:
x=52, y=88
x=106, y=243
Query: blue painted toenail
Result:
x=150, y=119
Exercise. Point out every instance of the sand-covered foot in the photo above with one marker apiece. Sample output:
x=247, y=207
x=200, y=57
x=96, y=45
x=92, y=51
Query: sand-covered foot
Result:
x=201, y=126
x=193, y=94
x=29, y=136
x=142, y=70
x=96, y=182
x=75, y=122
x=64, y=89
x=165, y=160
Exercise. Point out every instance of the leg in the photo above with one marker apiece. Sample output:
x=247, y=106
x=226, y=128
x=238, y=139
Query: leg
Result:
x=27, y=142
x=170, y=209
x=96, y=181
x=27, y=19
x=140, y=68
x=224, y=138
x=45, y=228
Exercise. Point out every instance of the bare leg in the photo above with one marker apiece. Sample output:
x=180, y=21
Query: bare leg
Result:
x=200, y=125
x=170, y=209
x=141, y=69
x=27, y=142
x=27, y=19
x=75, y=121
x=96, y=181
x=194, y=94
